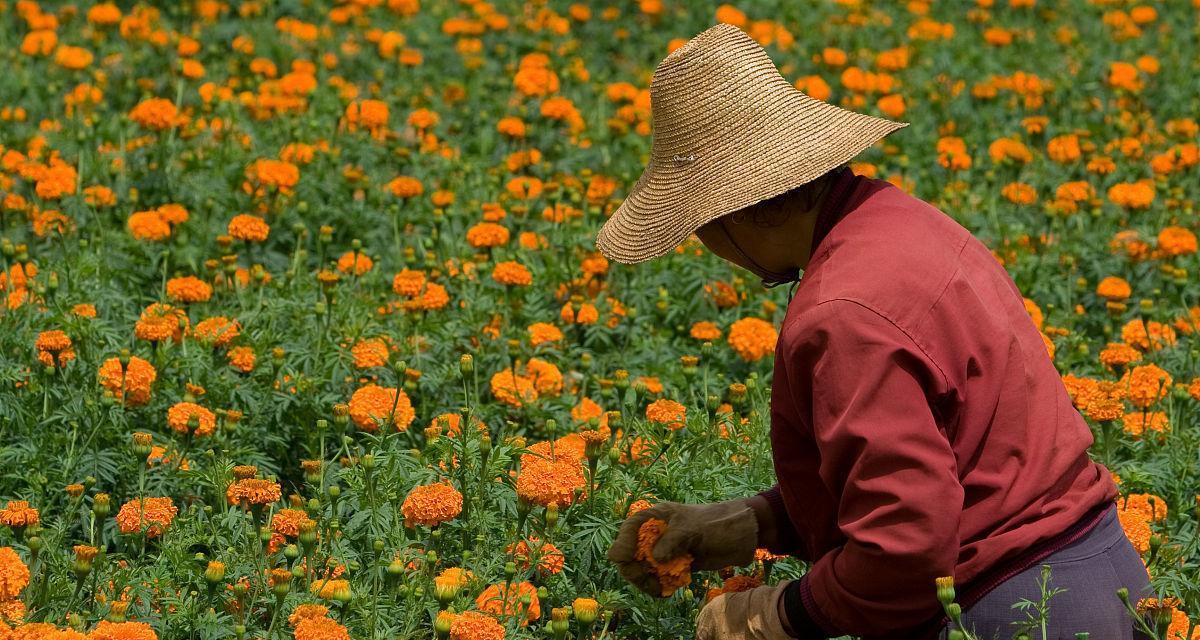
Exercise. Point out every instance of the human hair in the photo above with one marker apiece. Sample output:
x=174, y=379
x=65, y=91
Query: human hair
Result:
x=774, y=211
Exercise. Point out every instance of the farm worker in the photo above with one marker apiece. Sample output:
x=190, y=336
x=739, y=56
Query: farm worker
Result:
x=919, y=428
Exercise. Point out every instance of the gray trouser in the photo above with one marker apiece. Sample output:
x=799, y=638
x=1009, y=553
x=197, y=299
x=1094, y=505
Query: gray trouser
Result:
x=1091, y=569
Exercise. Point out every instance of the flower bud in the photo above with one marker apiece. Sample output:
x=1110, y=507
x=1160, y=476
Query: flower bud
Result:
x=466, y=364
x=215, y=572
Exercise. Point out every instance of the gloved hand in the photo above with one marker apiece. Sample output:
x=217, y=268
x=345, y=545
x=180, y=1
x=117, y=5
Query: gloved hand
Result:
x=745, y=615
x=718, y=535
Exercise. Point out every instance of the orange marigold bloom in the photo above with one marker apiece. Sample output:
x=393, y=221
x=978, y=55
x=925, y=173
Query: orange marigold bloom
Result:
x=253, y=491
x=54, y=347
x=148, y=225
x=408, y=282
x=138, y=377
x=546, y=480
x=307, y=610
x=1114, y=289
x=505, y=600
x=672, y=574
x=405, y=187
x=549, y=559
x=472, y=625
x=546, y=377
x=1132, y=195
x=370, y=353
x=432, y=504
x=188, y=289
x=487, y=234
x=544, y=332
x=18, y=513
x=173, y=213
x=217, y=331
x=368, y=114
x=1148, y=335
x=14, y=575
x=249, y=228
x=181, y=413
x=666, y=412
x=1138, y=422
x=242, y=358
x=153, y=515
x=373, y=405
x=536, y=81
x=265, y=174
x=1176, y=241
x=1119, y=354
x=705, y=330
x=512, y=389
x=156, y=113
x=287, y=523
x=319, y=628
x=752, y=338
x=161, y=321
x=84, y=310
x=1146, y=384
x=122, y=631
x=512, y=273
x=356, y=262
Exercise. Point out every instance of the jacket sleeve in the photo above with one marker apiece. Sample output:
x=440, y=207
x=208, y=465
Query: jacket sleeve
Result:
x=868, y=387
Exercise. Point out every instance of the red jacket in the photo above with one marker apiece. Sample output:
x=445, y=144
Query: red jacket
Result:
x=919, y=428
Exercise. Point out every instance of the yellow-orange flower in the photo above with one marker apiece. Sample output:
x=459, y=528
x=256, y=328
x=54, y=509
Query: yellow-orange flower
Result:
x=153, y=515
x=155, y=113
x=505, y=600
x=181, y=413
x=188, y=289
x=752, y=338
x=672, y=574
x=373, y=405
x=132, y=383
x=249, y=228
x=431, y=505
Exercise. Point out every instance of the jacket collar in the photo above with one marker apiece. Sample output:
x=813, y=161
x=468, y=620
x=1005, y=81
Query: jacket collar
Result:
x=835, y=206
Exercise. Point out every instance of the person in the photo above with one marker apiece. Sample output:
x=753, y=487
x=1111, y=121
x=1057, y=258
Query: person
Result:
x=919, y=428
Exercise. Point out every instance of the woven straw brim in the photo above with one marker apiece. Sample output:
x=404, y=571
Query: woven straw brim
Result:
x=727, y=135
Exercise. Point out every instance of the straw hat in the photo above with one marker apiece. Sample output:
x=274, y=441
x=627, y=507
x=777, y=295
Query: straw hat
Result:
x=729, y=131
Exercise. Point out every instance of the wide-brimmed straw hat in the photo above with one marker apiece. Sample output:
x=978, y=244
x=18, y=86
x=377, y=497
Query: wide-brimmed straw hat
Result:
x=729, y=131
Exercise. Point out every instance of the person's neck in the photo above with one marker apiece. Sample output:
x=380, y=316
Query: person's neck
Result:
x=805, y=222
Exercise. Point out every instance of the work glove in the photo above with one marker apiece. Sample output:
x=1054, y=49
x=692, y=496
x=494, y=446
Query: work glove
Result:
x=744, y=615
x=717, y=535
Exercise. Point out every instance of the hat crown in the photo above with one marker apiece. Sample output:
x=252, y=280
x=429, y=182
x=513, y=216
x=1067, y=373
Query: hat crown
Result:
x=713, y=85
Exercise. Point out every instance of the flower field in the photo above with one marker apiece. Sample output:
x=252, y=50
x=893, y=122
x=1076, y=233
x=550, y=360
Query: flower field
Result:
x=303, y=332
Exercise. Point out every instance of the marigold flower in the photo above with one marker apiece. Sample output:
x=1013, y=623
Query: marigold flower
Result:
x=307, y=610
x=549, y=559
x=1146, y=384
x=266, y=174
x=161, y=321
x=373, y=405
x=188, y=289
x=487, y=234
x=1148, y=336
x=355, y=262
x=181, y=413
x=546, y=481
x=405, y=187
x=512, y=273
x=136, y=379
x=672, y=574
x=319, y=628
x=14, y=575
x=242, y=359
x=153, y=515
x=1114, y=289
x=666, y=412
x=372, y=352
x=1177, y=241
x=106, y=630
x=18, y=513
x=287, y=522
x=217, y=331
x=512, y=389
x=1138, y=422
x=248, y=228
x=253, y=491
x=156, y=114
x=431, y=505
x=148, y=225
x=544, y=333
x=505, y=600
x=752, y=338
x=472, y=625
